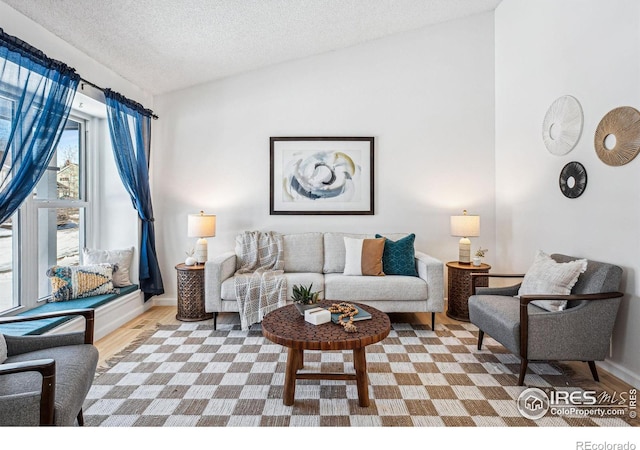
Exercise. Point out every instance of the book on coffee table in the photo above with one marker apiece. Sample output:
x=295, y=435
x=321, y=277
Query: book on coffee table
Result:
x=362, y=315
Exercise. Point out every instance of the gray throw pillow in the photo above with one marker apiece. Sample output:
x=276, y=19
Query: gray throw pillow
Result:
x=121, y=257
x=3, y=349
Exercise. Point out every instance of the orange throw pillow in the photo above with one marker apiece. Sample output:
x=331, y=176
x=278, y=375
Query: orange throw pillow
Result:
x=363, y=256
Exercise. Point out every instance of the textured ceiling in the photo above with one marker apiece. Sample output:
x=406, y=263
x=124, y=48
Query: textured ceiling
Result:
x=165, y=45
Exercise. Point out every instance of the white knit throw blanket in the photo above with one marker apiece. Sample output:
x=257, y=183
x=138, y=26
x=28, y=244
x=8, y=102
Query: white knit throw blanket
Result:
x=260, y=284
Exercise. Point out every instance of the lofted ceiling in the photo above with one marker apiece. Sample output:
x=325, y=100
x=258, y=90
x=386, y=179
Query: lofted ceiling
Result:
x=166, y=45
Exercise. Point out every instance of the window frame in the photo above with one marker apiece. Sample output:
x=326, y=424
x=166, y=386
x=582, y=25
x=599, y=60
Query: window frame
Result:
x=25, y=238
x=82, y=203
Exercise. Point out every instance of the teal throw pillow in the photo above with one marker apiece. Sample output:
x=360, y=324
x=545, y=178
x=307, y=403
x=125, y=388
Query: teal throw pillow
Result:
x=398, y=257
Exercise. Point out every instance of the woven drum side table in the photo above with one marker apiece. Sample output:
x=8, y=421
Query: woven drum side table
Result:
x=191, y=293
x=459, y=288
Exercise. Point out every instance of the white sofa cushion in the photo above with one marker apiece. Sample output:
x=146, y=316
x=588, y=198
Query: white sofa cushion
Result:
x=303, y=252
x=228, y=291
x=391, y=287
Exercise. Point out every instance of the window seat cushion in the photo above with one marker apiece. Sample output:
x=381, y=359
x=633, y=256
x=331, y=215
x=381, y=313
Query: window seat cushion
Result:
x=37, y=327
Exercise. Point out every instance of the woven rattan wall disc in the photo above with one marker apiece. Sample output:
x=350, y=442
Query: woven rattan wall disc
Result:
x=623, y=123
x=573, y=180
x=562, y=125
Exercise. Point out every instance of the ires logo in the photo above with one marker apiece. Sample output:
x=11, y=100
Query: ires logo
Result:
x=535, y=403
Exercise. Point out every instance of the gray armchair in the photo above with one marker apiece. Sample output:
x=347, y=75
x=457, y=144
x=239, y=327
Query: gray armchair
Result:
x=581, y=332
x=45, y=379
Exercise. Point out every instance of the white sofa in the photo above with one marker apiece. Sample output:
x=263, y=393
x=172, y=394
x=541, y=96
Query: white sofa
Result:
x=319, y=258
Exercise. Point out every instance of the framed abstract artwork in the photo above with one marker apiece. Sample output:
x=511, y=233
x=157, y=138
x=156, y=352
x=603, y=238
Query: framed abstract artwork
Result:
x=321, y=175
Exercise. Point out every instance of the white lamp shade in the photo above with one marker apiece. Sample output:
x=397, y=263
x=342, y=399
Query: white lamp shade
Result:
x=201, y=225
x=465, y=226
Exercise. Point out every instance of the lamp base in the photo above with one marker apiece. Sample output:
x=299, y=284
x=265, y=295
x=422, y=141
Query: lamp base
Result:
x=464, y=251
x=200, y=253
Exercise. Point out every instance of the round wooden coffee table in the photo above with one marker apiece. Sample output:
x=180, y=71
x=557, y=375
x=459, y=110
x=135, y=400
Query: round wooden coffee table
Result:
x=285, y=326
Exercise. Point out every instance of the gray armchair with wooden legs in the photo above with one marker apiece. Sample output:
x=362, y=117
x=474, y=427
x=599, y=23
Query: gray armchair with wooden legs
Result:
x=45, y=379
x=581, y=332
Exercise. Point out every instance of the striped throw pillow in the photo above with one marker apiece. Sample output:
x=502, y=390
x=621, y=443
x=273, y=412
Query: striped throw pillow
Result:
x=363, y=256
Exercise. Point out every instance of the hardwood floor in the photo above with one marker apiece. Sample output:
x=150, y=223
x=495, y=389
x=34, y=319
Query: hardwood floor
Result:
x=111, y=345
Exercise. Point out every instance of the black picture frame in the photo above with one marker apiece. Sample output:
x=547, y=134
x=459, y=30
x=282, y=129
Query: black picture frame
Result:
x=321, y=176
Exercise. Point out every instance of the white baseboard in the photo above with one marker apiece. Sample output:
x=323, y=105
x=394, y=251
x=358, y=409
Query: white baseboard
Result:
x=621, y=372
x=110, y=316
x=165, y=301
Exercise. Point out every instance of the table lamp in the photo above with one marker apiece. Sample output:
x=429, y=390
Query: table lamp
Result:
x=465, y=226
x=201, y=226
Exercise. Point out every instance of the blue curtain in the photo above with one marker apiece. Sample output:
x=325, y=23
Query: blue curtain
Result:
x=35, y=99
x=130, y=129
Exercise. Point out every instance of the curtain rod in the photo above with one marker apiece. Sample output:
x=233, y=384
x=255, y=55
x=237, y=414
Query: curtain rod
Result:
x=82, y=80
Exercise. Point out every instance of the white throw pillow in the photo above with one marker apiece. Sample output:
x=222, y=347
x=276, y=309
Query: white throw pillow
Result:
x=3, y=349
x=122, y=257
x=363, y=256
x=546, y=276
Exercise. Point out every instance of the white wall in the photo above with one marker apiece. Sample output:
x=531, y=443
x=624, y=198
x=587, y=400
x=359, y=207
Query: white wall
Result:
x=589, y=49
x=426, y=96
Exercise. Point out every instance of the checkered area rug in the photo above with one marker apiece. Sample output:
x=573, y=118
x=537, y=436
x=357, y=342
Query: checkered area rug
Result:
x=189, y=375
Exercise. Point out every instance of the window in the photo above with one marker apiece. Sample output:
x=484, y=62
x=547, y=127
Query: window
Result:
x=60, y=201
x=50, y=227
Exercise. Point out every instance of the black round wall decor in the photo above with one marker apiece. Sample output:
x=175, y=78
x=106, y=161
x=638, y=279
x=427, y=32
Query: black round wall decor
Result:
x=573, y=179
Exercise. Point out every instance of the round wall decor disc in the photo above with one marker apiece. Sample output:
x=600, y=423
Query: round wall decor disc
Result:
x=617, y=138
x=573, y=180
x=562, y=125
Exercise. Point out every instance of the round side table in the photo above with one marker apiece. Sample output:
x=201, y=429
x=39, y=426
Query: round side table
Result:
x=460, y=288
x=191, y=293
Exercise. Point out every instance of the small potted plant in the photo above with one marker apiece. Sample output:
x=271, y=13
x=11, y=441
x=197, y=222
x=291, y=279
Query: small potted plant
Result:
x=479, y=254
x=304, y=298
